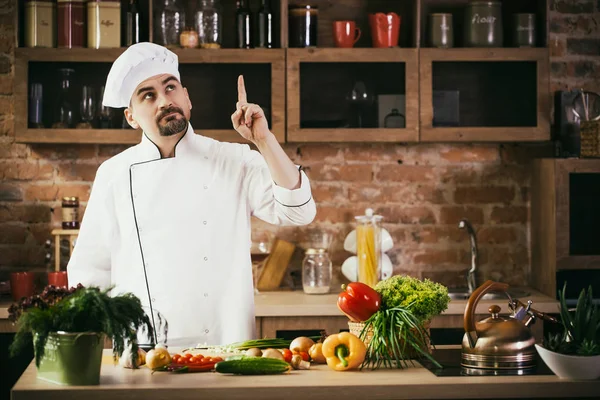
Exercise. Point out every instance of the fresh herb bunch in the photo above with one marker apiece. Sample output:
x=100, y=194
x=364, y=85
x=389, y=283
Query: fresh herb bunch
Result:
x=88, y=309
x=580, y=328
x=396, y=332
x=424, y=298
x=50, y=296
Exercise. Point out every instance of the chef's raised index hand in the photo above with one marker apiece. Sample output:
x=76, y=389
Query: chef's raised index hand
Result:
x=242, y=99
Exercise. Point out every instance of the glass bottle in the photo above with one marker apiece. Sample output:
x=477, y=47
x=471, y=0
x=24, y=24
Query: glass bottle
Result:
x=105, y=114
x=209, y=24
x=35, y=106
x=133, y=34
x=243, y=26
x=87, y=107
x=169, y=23
x=368, y=247
x=316, y=271
x=264, y=23
x=65, y=110
x=39, y=23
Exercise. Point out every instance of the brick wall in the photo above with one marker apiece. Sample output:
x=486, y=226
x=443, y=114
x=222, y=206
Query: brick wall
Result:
x=422, y=190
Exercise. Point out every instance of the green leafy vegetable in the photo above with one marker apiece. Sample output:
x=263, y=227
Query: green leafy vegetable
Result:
x=423, y=298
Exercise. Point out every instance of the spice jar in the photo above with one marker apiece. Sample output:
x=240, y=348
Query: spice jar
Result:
x=368, y=247
x=70, y=213
x=71, y=23
x=39, y=23
x=188, y=38
x=104, y=24
x=316, y=271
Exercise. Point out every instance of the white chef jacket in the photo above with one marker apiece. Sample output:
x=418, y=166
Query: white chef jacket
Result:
x=184, y=223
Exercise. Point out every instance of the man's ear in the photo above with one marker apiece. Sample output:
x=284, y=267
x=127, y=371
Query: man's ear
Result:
x=129, y=116
x=187, y=96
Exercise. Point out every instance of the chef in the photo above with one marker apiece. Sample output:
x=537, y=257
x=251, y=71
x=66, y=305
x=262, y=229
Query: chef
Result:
x=169, y=218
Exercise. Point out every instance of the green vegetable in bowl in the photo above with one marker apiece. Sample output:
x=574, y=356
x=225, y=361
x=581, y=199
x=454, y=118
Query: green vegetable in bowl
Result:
x=424, y=298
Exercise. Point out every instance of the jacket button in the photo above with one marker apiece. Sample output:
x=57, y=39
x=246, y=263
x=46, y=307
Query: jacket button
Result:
x=206, y=331
x=153, y=299
x=205, y=258
x=204, y=222
x=205, y=294
x=205, y=187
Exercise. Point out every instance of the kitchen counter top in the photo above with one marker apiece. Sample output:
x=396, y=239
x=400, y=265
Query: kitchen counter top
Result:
x=317, y=383
x=297, y=303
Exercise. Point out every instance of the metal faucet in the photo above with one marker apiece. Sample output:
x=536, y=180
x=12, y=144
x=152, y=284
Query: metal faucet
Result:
x=471, y=282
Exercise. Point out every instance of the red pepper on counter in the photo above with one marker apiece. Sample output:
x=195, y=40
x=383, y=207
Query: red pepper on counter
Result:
x=358, y=301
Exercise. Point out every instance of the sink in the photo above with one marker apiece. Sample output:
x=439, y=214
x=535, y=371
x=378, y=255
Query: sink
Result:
x=463, y=294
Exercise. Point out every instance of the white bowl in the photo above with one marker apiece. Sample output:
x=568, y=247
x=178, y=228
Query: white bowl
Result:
x=570, y=367
x=386, y=241
x=350, y=268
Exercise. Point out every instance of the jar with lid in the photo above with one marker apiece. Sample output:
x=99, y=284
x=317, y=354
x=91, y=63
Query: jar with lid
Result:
x=104, y=24
x=70, y=21
x=189, y=38
x=70, y=213
x=483, y=24
x=209, y=24
x=303, y=25
x=40, y=23
x=368, y=247
x=394, y=120
x=169, y=21
x=316, y=271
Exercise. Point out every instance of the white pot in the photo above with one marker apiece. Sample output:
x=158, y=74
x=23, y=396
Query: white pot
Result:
x=570, y=367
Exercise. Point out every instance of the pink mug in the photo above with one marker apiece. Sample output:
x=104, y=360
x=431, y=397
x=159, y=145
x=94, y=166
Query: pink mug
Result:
x=58, y=279
x=22, y=284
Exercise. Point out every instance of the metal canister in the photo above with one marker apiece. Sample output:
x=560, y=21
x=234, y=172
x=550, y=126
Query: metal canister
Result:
x=104, y=23
x=441, y=33
x=40, y=17
x=524, y=34
x=483, y=24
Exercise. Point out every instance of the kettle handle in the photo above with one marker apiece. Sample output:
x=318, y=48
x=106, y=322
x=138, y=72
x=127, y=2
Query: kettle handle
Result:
x=487, y=286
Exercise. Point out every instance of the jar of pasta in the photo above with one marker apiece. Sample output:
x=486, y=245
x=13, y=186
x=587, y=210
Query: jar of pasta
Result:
x=368, y=247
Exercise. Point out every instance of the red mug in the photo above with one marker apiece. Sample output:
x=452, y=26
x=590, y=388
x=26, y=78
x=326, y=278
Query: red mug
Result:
x=385, y=29
x=58, y=279
x=345, y=33
x=22, y=284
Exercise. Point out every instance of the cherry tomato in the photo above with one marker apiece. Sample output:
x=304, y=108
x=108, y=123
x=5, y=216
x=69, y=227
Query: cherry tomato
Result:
x=188, y=355
x=287, y=355
x=193, y=360
x=175, y=358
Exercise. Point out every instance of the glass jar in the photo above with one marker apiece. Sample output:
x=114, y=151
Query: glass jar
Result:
x=483, y=24
x=35, y=105
x=394, y=120
x=188, y=38
x=169, y=21
x=209, y=24
x=71, y=23
x=70, y=213
x=368, y=247
x=65, y=110
x=303, y=25
x=316, y=271
x=104, y=24
x=39, y=23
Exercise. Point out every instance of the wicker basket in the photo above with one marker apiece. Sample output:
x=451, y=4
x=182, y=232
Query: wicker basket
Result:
x=590, y=138
x=356, y=328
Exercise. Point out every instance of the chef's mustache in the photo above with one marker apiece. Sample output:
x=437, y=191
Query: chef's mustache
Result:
x=168, y=111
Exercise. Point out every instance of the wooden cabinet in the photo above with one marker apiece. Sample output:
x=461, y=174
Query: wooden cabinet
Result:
x=565, y=223
x=314, y=94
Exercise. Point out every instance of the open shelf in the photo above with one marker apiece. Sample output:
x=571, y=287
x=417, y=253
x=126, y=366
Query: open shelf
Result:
x=498, y=94
x=318, y=88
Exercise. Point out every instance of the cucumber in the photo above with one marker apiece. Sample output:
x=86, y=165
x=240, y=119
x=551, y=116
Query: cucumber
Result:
x=252, y=366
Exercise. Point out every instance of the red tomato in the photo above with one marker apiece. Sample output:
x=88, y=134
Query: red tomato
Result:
x=188, y=355
x=287, y=355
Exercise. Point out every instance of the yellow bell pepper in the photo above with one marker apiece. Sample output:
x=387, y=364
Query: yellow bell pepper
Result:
x=344, y=351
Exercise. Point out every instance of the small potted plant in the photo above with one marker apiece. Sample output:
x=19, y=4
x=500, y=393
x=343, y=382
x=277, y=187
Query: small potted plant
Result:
x=574, y=352
x=68, y=328
x=393, y=317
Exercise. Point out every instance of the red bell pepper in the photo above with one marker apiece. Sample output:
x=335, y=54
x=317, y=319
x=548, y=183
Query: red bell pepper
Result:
x=358, y=301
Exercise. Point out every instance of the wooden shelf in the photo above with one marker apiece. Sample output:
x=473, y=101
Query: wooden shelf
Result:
x=109, y=136
x=186, y=56
x=408, y=57
x=539, y=131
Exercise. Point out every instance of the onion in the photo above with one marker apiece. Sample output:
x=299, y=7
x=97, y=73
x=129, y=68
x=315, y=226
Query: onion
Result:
x=301, y=343
x=273, y=353
x=158, y=357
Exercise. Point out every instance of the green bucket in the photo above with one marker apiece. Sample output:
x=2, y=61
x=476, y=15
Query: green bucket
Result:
x=72, y=358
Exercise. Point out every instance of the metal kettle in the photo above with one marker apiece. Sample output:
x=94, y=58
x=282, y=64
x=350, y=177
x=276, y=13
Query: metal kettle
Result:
x=497, y=342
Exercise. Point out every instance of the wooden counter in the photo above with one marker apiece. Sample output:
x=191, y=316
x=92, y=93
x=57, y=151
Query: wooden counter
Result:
x=317, y=383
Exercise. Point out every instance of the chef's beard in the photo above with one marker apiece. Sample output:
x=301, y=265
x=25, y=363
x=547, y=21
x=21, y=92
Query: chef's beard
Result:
x=173, y=125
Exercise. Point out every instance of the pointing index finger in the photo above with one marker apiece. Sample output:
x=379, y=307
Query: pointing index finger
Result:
x=241, y=90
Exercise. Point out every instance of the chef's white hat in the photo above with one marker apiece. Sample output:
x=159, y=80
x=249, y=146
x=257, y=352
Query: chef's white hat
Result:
x=136, y=64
